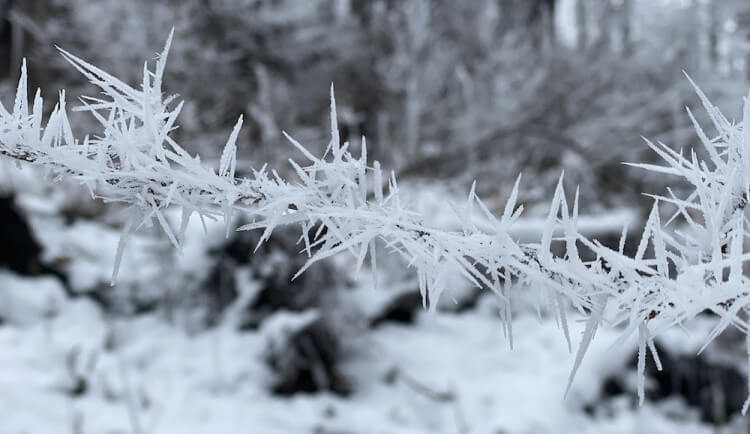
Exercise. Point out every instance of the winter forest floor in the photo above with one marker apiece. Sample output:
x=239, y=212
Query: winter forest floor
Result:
x=447, y=374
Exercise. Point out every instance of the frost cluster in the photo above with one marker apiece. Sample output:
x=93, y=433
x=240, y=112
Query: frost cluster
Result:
x=342, y=203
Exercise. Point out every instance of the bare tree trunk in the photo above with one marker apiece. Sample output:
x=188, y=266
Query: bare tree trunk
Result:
x=713, y=34
x=549, y=30
x=4, y=7
x=626, y=17
x=743, y=21
x=34, y=10
x=605, y=25
x=541, y=19
x=413, y=114
x=342, y=9
x=17, y=36
x=487, y=24
x=383, y=139
x=582, y=34
x=5, y=62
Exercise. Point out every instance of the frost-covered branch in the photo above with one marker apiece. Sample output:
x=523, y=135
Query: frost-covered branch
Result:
x=340, y=205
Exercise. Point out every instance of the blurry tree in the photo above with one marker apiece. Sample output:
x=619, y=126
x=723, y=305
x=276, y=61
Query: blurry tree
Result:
x=581, y=24
x=626, y=27
x=538, y=16
x=435, y=85
x=743, y=24
x=714, y=27
x=4, y=38
x=16, y=33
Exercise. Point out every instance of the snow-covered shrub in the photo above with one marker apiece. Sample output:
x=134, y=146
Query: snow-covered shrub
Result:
x=20, y=251
x=270, y=269
x=135, y=161
x=710, y=382
x=304, y=352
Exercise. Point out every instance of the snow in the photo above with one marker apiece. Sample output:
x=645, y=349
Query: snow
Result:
x=24, y=300
x=282, y=325
x=216, y=381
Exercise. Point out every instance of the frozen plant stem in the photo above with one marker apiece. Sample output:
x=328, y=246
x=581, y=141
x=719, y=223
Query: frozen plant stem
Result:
x=340, y=206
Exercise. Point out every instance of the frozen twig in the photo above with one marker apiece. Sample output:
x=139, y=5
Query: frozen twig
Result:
x=134, y=160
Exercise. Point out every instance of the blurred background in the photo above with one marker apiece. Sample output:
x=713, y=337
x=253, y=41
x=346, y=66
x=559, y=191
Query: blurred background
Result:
x=214, y=339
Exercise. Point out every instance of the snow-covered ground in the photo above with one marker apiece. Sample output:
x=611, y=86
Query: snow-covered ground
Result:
x=447, y=373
